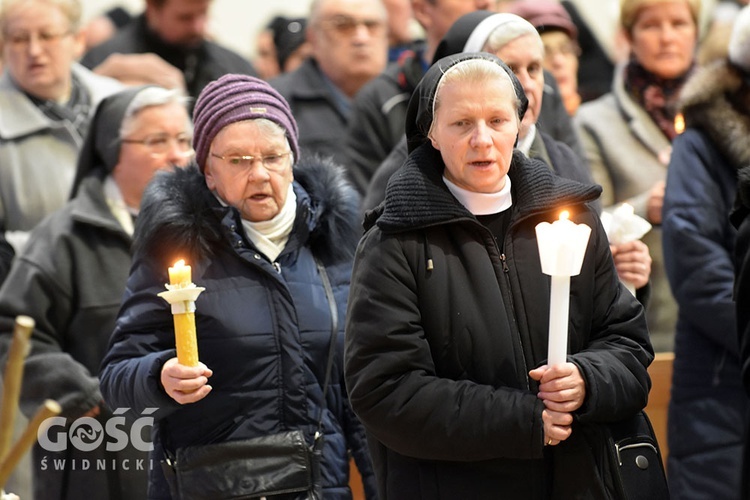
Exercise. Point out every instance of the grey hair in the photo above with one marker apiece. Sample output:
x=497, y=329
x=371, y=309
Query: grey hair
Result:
x=272, y=129
x=316, y=5
x=152, y=96
x=508, y=32
x=70, y=8
x=471, y=71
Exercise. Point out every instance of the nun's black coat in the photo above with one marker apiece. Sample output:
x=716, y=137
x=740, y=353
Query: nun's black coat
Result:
x=443, y=327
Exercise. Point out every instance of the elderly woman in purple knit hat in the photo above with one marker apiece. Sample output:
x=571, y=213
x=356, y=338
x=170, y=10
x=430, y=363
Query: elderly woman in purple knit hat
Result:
x=271, y=237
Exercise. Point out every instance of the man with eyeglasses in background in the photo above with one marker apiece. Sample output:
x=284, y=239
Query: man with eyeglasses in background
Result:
x=71, y=280
x=167, y=45
x=47, y=101
x=349, y=47
x=379, y=111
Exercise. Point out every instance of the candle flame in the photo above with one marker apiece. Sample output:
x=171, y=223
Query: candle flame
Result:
x=564, y=215
x=679, y=123
x=179, y=263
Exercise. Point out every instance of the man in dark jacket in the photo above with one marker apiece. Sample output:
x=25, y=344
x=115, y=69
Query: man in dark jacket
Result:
x=379, y=109
x=174, y=30
x=71, y=280
x=349, y=48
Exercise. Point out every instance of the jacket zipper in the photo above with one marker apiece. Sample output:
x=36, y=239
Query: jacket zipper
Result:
x=510, y=307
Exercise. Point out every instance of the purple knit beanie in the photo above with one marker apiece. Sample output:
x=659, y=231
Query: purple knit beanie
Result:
x=234, y=98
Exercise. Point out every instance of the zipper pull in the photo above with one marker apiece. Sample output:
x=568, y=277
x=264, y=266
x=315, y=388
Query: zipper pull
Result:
x=277, y=266
x=505, y=263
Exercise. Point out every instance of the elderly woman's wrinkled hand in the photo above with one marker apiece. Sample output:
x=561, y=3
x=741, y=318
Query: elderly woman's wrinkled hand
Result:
x=563, y=390
x=557, y=426
x=561, y=387
x=185, y=384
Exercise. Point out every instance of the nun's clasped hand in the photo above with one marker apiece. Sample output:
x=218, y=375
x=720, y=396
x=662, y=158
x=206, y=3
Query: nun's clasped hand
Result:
x=563, y=390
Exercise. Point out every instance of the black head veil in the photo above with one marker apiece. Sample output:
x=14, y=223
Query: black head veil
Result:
x=101, y=147
x=419, y=114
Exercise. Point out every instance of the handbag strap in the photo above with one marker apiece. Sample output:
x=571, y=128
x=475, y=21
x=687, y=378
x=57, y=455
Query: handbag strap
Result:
x=332, y=342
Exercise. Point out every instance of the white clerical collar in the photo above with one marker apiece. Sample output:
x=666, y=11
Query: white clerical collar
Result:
x=524, y=145
x=482, y=203
x=116, y=203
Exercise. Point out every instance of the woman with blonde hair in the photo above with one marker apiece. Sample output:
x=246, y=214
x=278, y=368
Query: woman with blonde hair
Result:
x=627, y=134
x=47, y=101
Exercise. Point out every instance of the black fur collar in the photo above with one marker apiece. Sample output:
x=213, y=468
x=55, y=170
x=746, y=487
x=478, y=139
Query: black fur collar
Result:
x=180, y=217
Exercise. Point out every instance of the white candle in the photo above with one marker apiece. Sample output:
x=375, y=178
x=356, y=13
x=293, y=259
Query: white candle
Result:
x=562, y=246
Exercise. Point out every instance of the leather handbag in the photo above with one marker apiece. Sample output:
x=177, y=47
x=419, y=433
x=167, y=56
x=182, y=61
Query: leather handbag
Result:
x=635, y=461
x=276, y=465
x=610, y=461
x=266, y=466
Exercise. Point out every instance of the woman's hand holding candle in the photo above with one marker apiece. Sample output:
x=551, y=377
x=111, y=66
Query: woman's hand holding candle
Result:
x=563, y=390
x=185, y=384
x=633, y=263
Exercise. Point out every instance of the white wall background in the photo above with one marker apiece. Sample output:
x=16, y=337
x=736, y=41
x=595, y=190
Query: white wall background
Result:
x=233, y=23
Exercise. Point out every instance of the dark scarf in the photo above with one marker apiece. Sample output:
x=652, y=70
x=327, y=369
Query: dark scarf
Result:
x=76, y=111
x=658, y=96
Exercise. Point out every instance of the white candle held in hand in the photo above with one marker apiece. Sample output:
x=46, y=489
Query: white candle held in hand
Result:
x=562, y=246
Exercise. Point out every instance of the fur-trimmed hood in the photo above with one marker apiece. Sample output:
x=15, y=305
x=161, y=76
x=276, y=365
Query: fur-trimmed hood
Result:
x=180, y=217
x=711, y=101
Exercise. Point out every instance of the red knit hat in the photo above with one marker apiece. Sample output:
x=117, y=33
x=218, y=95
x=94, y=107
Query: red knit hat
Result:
x=234, y=98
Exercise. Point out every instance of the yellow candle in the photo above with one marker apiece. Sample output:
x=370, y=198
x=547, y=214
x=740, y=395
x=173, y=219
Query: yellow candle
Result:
x=12, y=378
x=186, y=339
x=180, y=274
x=49, y=408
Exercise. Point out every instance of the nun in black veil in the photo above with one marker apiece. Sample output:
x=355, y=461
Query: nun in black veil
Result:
x=447, y=325
x=71, y=279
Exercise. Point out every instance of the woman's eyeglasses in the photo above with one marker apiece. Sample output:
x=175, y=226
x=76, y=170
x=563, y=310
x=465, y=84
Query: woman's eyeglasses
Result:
x=22, y=41
x=161, y=144
x=243, y=163
x=566, y=49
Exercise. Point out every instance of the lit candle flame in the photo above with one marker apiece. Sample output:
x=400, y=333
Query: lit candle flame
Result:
x=564, y=215
x=180, y=275
x=679, y=123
